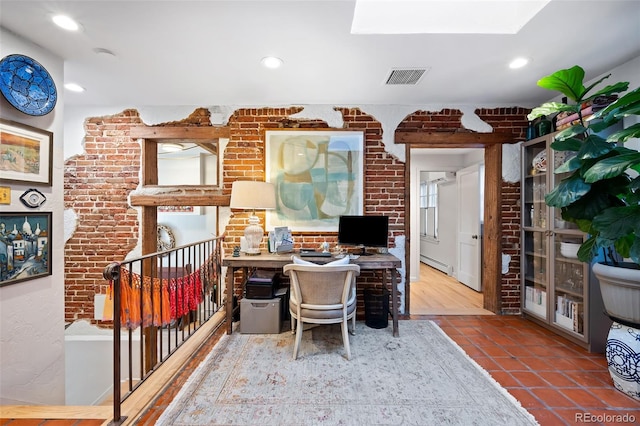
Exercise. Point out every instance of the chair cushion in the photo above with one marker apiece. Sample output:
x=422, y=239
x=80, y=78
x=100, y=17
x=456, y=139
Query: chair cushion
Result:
x=322, y=314
x=343, y=261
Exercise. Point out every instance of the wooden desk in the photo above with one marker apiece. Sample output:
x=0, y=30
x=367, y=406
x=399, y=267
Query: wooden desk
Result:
x=277, y=261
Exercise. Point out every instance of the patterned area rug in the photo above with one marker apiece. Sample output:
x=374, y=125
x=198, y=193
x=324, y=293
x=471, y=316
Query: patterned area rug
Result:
x=420, y=378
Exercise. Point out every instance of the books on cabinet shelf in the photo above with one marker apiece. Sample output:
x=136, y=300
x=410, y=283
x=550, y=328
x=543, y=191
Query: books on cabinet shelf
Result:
x=570, y=313
x=536, y=300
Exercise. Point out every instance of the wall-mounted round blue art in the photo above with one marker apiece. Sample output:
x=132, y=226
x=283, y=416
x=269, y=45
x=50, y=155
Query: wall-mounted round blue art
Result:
x=27, y=85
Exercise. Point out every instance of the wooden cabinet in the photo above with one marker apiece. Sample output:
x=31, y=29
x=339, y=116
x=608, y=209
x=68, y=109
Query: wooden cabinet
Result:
x=558, y=291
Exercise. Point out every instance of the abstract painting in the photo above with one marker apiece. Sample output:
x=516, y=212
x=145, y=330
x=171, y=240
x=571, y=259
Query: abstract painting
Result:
x=318, y=176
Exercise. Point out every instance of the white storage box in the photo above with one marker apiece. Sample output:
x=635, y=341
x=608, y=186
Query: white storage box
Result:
x=260, y=316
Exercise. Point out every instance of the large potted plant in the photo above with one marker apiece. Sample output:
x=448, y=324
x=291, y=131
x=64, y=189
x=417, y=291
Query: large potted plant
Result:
x=601, y=195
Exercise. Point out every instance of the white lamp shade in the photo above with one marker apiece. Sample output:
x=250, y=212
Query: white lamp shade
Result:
x=252, y=195
x=248, y=194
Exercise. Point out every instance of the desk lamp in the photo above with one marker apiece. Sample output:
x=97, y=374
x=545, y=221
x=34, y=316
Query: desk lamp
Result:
x=253, y=195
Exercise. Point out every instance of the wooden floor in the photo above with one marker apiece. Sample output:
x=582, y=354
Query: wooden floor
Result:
x=436, y=293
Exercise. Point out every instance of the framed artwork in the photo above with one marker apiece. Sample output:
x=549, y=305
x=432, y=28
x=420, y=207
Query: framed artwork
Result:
x=25, y=246
x=26, y=154
x=318, y=175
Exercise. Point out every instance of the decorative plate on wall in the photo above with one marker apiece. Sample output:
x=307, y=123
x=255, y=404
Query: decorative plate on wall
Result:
x=27, y=85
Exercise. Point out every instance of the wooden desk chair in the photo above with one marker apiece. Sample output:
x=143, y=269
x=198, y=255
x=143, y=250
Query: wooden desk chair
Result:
x=322, y=295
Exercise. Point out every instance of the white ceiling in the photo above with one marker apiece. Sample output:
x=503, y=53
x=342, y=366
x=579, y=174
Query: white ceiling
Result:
x=208, y=53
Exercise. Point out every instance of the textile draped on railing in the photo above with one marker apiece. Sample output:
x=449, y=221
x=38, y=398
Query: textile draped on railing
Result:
x=155, y=301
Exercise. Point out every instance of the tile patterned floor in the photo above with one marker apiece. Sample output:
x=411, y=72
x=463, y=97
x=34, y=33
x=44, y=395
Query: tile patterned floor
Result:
x=555, y=380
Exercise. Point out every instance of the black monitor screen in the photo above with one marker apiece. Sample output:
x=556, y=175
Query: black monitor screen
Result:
x=364, y=231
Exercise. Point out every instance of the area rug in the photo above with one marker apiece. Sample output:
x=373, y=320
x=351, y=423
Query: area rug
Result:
x=420, y=378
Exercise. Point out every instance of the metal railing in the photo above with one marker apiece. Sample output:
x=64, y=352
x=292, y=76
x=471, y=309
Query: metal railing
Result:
x=159, y=301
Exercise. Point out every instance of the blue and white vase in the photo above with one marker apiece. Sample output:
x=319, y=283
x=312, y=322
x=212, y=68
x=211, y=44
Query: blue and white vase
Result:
x=623, y=358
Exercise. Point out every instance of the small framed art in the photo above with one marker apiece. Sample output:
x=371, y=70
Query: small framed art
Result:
x=26, y=154
x=25, y=239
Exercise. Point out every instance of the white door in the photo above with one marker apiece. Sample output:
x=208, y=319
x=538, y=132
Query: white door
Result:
x=470, y=190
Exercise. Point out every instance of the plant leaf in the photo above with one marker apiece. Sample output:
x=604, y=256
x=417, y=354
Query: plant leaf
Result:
x=568, y=191
x=634, y=252
x=623, y=245
x=574, y=163
x=629, y=101
x=569, y=144
x=594, y=147
x=619, y=87
x=588, y=250
x=570, y=132
x=567, y=81
x=601, y=196
x=625, y=134
x=611, y=167
x=549, y=108
x=618, y=222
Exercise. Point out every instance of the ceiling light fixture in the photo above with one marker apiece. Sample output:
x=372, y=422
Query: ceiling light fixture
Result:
x=103, y=51
x=272, y=62
x=172, y=147
x=74, y=87
x=518, y=63
x=65, y=22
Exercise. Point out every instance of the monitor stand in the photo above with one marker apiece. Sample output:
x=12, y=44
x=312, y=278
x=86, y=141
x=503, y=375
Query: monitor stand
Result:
x=363, y=251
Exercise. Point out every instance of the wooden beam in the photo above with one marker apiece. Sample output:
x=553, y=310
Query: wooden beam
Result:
x=181, y=195
x=211, y=147
x=407, y=227
x=149, y=163
x=183, y=134
x=492, y=236
x=454, y=139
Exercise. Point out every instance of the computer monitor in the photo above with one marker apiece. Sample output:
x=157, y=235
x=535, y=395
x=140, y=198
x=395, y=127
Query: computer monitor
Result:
x=363, y=231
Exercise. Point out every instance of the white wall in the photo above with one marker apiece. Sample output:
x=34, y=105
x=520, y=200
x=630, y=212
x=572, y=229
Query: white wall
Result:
x=629, y=72
x=32, y=368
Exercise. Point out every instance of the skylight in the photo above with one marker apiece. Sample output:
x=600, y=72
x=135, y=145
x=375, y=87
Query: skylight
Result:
x=443, y=16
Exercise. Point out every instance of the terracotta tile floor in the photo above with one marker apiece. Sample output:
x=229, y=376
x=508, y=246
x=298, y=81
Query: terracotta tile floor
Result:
x=555, y=380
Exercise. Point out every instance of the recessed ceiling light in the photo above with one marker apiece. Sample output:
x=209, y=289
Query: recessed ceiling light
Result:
x=272, y=62
x=65, y=22
x=518, y=63
x=74, y=87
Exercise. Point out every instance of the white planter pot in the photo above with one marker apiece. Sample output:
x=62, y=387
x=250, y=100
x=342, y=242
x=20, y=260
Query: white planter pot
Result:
x=620, y=288
x=623, y=358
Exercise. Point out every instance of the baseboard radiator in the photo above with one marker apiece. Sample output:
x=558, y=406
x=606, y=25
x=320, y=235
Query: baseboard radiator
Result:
x=440, y=266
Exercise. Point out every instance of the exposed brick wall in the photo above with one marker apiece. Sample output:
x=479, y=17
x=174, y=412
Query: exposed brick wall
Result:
x=384, y=174
x=98, y=183
x=96, y=186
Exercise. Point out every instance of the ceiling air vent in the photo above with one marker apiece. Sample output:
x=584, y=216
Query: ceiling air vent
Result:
x=405, y=76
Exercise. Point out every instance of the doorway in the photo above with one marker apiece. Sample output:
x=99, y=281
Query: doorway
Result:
x=449, y=253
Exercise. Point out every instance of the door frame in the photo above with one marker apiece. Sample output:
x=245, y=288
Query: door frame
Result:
x=492, y=241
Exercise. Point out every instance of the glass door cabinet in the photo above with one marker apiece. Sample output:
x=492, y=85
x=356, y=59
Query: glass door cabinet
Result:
x=557, y=290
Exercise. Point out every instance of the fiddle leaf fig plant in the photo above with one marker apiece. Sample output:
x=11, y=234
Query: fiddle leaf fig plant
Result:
x=601, y=193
